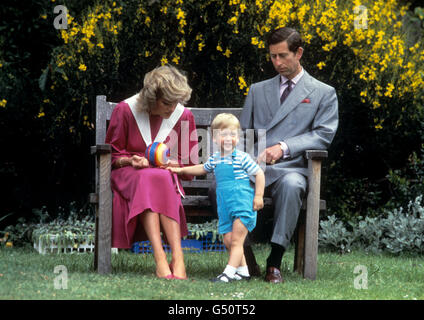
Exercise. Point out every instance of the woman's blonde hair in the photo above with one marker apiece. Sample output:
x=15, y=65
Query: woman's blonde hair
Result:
x=225, y=120
x=165, y=82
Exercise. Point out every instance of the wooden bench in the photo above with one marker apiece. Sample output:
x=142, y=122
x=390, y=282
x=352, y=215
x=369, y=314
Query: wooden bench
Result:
x=196, y=202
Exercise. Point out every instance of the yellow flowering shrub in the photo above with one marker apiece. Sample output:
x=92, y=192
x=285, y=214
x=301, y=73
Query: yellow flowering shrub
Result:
x=365, y=49
x=373, y=31
x=218, y=42
x=371, y=51
x=89, y=57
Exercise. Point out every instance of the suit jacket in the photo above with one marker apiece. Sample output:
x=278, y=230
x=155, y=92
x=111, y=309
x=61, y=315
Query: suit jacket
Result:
x=307, y=119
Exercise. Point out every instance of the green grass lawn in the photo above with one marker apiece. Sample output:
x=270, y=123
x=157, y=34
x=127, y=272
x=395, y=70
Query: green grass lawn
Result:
x=25, y=274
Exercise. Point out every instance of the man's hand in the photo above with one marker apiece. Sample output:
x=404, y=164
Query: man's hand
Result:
x=271, y=154
x=139, y=162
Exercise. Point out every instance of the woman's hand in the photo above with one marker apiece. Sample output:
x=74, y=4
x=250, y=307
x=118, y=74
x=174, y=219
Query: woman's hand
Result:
x=138, y=162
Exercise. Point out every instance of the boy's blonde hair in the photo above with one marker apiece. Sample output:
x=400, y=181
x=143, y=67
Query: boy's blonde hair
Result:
x=225, y=120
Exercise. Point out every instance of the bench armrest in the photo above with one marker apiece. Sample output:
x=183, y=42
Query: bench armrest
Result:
x=316, y=154
x=101, y=149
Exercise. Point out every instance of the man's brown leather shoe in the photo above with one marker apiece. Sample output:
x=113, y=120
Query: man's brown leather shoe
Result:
x=273, y=275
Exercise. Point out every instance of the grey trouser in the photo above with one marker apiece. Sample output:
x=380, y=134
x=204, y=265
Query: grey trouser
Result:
x=287, y=193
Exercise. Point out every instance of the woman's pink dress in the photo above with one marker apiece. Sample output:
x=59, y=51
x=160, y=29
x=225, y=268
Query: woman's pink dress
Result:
x=136, y=190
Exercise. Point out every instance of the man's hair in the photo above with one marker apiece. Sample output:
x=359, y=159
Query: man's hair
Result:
x=293, y=38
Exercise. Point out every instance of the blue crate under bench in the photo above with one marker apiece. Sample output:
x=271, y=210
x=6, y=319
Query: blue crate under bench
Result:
x=203, y=244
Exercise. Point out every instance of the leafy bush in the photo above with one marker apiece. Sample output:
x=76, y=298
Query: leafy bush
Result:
x=398, y=232
x=367, y=233
x=202, y=229
x=334, y=235
x=108, y=49
x=404, y=231
x=20, y=233
x=116, y=41
x=109, y=45
x=71, y=225
x=70, y=232
x=407, y=182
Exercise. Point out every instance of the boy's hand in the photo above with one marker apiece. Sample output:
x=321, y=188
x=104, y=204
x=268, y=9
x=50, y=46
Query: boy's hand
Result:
x=170, y=163
x=176, y=170
x=258, y=203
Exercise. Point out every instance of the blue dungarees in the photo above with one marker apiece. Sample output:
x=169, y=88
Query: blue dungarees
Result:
x=234, y=199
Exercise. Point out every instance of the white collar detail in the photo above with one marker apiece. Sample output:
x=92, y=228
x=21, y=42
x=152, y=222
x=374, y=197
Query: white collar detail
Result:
x=143, y=123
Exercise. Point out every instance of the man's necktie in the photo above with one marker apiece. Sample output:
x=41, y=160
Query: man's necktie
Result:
x=286, y=92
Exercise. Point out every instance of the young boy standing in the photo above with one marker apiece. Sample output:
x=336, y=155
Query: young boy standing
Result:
x=237, y=201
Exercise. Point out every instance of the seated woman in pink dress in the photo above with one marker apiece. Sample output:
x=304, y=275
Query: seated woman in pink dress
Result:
x=147, y=199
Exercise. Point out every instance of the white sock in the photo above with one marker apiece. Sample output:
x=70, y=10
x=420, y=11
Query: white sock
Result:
x=230, y=271
x=242, y=270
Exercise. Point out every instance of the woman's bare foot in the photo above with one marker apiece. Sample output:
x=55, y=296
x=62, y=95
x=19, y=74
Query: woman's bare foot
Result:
x=178, y=268
x=163, y=269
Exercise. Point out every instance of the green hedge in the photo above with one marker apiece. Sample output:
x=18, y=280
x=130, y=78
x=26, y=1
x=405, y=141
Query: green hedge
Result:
x=376, y=68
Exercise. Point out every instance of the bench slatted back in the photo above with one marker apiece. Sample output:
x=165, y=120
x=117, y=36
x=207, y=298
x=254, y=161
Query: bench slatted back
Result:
x=103, y=113
x=203, y=118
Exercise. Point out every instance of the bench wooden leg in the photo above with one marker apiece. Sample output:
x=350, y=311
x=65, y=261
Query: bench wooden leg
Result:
x=312, y=220
x=96, y=238
x=299, y=254
x=104, y=230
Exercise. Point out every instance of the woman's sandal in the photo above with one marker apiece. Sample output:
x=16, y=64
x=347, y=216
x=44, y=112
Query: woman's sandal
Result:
x=171, y=267
x=168, y=277
x=179, y=278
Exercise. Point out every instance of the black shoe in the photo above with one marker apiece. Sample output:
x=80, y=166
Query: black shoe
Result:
x=223, y=277
x=239, y=277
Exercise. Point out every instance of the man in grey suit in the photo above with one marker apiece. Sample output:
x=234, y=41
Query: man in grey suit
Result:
x=299, y=113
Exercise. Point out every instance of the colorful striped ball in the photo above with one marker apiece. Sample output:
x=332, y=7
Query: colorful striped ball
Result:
x=157, y=153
